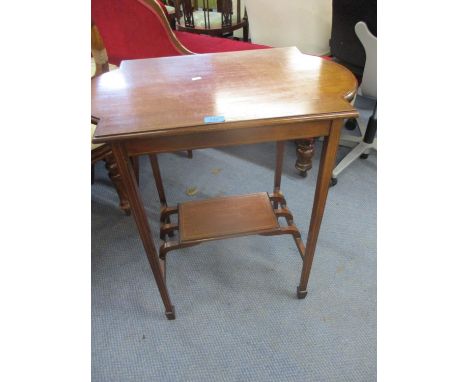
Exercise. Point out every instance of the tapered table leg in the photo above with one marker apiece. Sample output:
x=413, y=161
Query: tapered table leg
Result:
x=278, y=168
x=159, y=186
x=130, y=183
x=327, y=163
x=157, y=178
x=136, y=168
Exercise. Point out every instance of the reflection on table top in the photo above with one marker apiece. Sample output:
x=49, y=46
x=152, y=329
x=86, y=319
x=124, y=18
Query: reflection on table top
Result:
x=154, y=96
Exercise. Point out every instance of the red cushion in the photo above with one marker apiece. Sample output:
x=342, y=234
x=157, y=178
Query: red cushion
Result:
x=198, y=43
x=131, y=29
x=206, y=44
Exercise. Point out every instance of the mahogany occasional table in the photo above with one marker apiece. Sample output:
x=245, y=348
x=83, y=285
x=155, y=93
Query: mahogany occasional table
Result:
x=161, y=105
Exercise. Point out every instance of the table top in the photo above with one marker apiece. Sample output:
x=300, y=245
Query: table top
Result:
x=170, y=95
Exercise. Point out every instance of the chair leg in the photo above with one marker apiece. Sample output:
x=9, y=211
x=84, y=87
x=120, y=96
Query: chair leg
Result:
x=190, y=154
x=361, y=148
x=245, y=32
x=371, y=130
x=92, y=173
x=351, y=124
x=368, y=142
x=350, y=141
x=245, y=29
x=305, y=152
x=116, y=179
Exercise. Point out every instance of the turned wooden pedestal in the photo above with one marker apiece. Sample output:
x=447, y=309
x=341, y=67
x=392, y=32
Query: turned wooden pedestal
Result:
x=105, y=154
x=305, y=149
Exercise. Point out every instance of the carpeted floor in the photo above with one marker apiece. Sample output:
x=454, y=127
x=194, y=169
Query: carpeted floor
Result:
x=238, y=318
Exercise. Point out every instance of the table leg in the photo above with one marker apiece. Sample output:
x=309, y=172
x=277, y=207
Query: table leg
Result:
x=327, y=163
x=136, y=167
x=279, y=168
x=305, y=153
x=159, y=186
x=157, y=178
x=141, y=220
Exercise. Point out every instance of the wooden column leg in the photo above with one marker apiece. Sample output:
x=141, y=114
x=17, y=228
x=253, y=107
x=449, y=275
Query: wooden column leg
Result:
x=305, y=152
x=116, y=178
x=141, y=220
x=327, y=163
x=279, y=168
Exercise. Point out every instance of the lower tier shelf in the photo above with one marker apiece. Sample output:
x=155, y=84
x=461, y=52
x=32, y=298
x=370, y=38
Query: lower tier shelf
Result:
x=227, y=217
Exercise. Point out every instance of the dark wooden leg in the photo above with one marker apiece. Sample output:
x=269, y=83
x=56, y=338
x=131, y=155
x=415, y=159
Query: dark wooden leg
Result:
x=245, y=32
x=190, y=154
x=278, y=169
x=139, y=214
x=92, y=173
x=116, y=179
x=136, y=168
x=172, y=21
x=305, y=152
x=157, y=178
x=159, y=186
x=327, y=163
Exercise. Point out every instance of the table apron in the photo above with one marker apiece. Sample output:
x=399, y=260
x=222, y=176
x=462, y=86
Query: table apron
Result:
x=220, y=138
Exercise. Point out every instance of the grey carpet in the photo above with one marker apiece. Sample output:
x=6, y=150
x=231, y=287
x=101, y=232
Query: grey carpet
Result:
x=238, y=318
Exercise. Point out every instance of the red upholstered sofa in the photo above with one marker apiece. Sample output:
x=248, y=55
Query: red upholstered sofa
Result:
x=133, y=29
x=209, y=44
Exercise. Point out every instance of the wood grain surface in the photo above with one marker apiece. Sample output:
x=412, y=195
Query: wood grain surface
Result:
x=224, y=217
x=164, y=96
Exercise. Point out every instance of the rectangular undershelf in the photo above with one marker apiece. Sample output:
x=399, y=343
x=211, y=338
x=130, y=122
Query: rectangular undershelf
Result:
x=224, y=217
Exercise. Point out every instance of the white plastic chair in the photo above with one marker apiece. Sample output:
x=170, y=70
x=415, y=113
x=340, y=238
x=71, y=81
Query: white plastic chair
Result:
x=362, y=145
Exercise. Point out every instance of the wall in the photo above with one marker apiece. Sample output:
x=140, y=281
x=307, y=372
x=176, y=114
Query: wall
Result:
x=302, y=23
